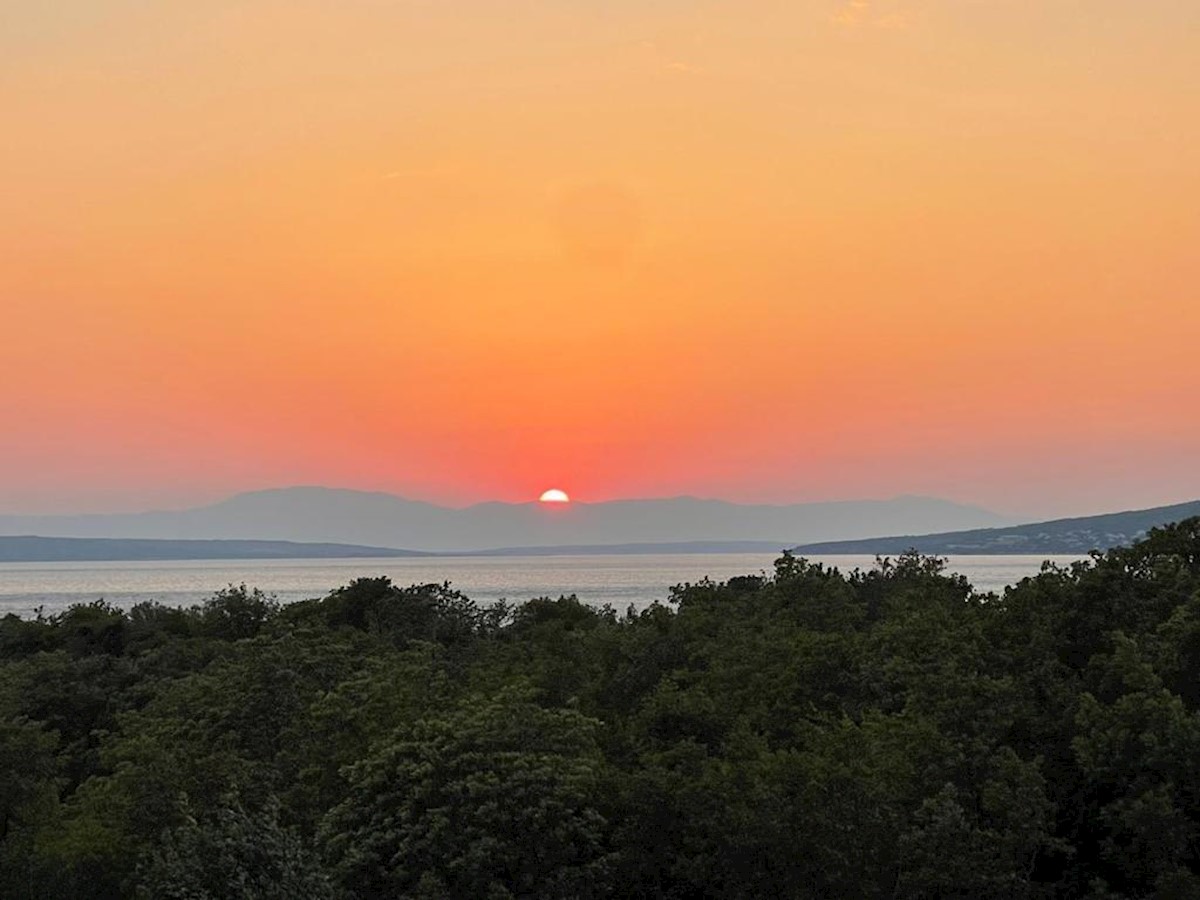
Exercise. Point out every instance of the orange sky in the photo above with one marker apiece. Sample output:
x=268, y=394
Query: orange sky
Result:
x=465, y=250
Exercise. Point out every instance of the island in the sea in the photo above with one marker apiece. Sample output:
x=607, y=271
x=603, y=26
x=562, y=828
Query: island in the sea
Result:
x=1060, y=536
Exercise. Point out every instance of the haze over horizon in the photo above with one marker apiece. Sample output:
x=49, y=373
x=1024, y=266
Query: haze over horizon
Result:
x=760, y=251
x=217, y=499
x=68, y=506
x=324, y=515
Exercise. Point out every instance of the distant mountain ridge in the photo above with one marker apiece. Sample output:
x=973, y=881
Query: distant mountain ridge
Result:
x=328, y=515
x=1059, y=536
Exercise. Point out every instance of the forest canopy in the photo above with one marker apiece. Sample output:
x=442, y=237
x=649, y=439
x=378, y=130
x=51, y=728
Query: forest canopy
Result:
x=800, y=733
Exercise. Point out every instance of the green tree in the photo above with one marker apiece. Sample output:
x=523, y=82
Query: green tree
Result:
x=232, y=853
x=28, y=800
x=495, y=798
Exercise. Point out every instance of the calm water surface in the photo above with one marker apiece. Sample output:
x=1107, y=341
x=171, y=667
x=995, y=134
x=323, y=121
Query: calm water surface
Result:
x=616, y=579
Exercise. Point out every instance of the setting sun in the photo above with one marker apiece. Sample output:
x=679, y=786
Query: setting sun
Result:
x=554, y=495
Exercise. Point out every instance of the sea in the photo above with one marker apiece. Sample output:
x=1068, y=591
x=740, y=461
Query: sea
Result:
x=620, y=580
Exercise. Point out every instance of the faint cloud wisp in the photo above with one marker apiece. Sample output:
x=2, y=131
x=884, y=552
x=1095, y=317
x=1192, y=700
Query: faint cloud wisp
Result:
x=872, y=14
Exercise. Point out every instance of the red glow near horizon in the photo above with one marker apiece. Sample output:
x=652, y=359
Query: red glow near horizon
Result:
x=760, y=251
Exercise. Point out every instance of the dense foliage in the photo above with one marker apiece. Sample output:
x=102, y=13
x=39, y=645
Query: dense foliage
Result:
x=806, y=733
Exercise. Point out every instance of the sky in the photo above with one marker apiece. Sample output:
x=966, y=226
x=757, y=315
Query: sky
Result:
x=464, y=250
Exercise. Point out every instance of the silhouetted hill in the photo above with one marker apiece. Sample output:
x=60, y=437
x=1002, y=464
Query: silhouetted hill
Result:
x=1060, y=536
x=31, y=548
x=314, y=514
